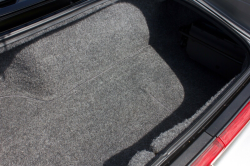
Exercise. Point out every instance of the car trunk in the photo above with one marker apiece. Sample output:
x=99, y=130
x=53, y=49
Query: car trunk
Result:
x=101, y=87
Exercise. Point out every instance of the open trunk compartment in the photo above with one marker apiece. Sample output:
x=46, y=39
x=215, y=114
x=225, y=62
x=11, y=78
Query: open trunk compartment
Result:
x=102, y=87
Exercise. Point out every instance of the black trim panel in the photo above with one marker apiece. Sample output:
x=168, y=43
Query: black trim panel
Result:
x=39, y=24
x=192, y=150
x=229, y=112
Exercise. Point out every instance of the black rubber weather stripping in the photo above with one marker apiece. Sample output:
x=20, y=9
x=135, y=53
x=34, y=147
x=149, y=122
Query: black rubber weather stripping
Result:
x=9, y=14
x=41, y=23
x=7, y=3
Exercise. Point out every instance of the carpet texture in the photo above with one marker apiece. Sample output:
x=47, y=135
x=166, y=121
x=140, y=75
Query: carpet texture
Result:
x=158, y=144
x=165, y=138
x=101, y=88
x=141, y=158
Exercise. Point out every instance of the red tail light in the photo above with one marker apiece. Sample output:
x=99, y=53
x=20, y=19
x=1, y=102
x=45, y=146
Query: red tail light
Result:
x=225, y=138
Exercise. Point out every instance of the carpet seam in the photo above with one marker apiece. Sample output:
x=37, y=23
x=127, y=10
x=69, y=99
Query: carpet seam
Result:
x=80, y=83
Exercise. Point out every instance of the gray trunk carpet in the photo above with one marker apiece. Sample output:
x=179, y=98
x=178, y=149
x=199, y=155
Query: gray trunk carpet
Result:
x=101, y=88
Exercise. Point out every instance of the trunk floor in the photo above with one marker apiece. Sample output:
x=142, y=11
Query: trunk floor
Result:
x=96, y=92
